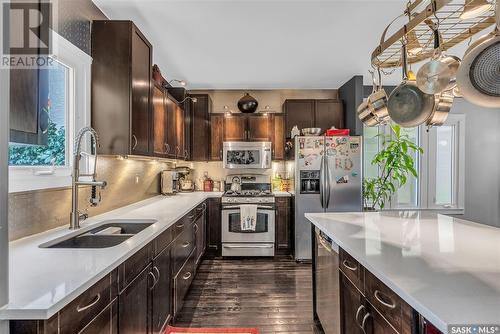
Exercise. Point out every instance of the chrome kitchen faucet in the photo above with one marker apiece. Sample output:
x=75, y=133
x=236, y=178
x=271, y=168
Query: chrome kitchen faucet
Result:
x=76, y=216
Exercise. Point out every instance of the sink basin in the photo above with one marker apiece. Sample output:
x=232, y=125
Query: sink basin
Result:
x=106, y=234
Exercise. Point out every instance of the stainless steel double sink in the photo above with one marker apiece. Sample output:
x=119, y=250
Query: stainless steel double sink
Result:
x=106, y=234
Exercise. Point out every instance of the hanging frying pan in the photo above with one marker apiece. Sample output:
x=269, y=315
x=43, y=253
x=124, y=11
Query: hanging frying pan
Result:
x=408, y=106
x=478, y=76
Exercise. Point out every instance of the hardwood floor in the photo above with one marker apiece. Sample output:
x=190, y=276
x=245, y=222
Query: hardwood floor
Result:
x=273, y=295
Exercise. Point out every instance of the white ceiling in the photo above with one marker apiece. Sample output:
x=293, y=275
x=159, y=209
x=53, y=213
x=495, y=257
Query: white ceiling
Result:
x=260, y=44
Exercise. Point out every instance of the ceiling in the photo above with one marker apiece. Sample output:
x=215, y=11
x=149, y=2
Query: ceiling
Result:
x=260, y=44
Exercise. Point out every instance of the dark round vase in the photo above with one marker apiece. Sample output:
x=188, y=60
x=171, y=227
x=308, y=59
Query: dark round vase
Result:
x=248, y=104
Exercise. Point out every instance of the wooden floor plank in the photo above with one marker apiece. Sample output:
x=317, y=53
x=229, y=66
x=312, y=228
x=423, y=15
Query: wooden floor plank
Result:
x=273, y=295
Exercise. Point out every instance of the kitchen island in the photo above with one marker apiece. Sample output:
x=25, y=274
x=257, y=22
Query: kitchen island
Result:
x=444, y=268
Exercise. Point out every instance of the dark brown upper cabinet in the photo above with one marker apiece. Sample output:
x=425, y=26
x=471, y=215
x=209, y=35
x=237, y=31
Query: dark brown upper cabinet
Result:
x=198, y=135
x=216, y=136
x=121, y=88
x=180, y=150
x=29, y=93
x=313, y=114
x=241, y=127
x=278, y=132
x=160, y=124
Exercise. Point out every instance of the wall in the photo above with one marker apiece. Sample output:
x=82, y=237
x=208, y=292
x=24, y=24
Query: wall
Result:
x=129, y=180
x=482, y=161
x=272, y=98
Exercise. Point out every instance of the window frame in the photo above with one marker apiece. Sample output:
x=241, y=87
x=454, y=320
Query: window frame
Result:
x=28, y=178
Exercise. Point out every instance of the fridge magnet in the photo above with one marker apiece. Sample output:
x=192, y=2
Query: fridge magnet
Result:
x=342, y=179
x=348, y=164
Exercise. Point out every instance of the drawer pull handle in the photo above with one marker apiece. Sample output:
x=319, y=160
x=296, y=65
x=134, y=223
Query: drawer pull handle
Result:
x=348, y=266
x=186, y=244
x=155, y=268
x=92, y=303
x=154, y=280
x=363, y=323
x=179, y=225
x=187, y=275
x=191, y=216
x=380, y=298
x=362, y=307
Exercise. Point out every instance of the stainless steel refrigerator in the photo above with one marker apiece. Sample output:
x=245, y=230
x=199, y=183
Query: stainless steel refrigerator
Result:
x=327, y=179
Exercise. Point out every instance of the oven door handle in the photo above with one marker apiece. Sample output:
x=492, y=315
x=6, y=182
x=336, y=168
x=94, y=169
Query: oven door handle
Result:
x=236, y=207
x=248, y=246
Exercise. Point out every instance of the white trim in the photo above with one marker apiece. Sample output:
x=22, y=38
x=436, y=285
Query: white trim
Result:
x=79, y=75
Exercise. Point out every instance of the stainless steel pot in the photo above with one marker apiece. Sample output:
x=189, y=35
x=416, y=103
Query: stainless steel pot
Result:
x=374, y=111
x=408, y=106
x=478, y=76
x=442, y=108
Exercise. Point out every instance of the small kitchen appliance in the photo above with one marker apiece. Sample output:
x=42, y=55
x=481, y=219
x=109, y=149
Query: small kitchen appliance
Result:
x=169, y=182
x=255, y=190
x=327, y=179
x=247, y=155
x=186, y=183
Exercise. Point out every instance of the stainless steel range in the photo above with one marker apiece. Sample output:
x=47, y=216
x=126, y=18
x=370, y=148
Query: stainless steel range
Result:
x=249, y=192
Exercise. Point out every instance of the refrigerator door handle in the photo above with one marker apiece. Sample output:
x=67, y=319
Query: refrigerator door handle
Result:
x=328, y=182
x=321, y=179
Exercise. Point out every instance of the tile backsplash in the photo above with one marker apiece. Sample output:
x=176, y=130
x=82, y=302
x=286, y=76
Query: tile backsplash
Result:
x=129, y=180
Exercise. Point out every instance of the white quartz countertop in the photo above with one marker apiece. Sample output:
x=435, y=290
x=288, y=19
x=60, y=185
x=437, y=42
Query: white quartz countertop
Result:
x=44, y=280
x=446, y=268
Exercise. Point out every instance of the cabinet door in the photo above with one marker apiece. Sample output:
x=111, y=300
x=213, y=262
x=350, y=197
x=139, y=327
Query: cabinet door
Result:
x=141, y=90
x=283, y=226
x=299, y=113
x=329, y=113
x=161, y=293
x=199, y=230
x=259, y=128
x=134, y=306
x=278, y=131
x=213, y=234
x=200, y=128
x=235, y=128
x=216, y=136
x=159, y=122
x=105, y=323
x=352, y=303
x=376, y=324
x=171, y=127
x=180, y=151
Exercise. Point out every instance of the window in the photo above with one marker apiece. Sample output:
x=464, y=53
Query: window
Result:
x=441, y=179
x=67, y=109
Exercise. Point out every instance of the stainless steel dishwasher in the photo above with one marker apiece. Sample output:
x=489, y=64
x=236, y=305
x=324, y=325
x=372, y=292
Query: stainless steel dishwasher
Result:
x=327, y=286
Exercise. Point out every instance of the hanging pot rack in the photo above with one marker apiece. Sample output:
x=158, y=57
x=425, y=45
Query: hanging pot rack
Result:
x=453, y=31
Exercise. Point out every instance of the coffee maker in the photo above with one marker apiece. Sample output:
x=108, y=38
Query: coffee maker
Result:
x=169, y=182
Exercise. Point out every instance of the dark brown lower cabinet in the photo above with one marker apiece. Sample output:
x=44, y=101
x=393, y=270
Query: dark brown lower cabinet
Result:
x=161, y=292
x=376, y=323
x=105, y=323
x=200, y=232
x=213, y=235
x=134, y=304
x=351, y=301
x=283, y=225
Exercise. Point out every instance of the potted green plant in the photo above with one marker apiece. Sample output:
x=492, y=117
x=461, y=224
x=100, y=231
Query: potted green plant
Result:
x=397, y=164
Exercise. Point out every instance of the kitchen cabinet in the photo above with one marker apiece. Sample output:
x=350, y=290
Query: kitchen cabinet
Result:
x=311, y=114
x=278, y=133
x=199, y=129
x=161, y=292
x=171, y=126
x=213, y=235
x=160, y=123
x=105, y=323
x=241, y=127
x=200, y=233
x=351, y=302
x=283, y=221
x=216, y=136
x=180, y=150
x=121, y=88
x=29, y=93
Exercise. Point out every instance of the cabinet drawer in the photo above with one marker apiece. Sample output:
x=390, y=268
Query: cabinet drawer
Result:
x=134, y=266
x=183, y=280
x=352, y=269
x=163, y=240
x=386, y=301
x=182, y=247
x=75, y=316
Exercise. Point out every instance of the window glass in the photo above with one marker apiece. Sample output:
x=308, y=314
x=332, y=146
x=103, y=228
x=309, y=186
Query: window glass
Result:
x=407, y=194
x=371, y=147
x=444, y=165
x=54, y=152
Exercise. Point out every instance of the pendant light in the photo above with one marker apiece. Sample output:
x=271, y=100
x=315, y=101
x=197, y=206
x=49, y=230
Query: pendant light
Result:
x=474, y=8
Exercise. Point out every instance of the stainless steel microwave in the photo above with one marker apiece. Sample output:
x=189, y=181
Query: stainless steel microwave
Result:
x=248, y=155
